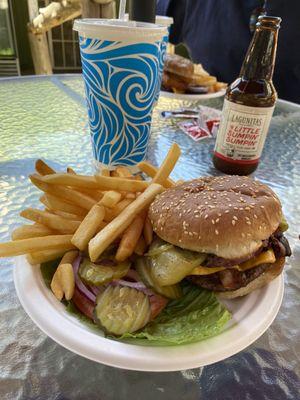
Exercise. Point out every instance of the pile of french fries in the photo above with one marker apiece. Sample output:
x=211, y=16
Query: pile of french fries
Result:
x=88, y=214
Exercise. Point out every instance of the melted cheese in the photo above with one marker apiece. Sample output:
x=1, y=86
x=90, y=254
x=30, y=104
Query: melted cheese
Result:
x=205, y=270
x=266, y=257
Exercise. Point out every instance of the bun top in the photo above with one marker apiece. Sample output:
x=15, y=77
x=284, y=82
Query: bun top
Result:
x=228, y=216
x=179, y=65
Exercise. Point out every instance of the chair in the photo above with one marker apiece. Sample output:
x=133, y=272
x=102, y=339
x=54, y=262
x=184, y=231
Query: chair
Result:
x=55, y=14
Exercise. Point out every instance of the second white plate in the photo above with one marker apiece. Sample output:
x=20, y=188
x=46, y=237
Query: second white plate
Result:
x=192, y=97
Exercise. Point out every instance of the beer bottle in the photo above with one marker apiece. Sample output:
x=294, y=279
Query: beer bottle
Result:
x=249, y=104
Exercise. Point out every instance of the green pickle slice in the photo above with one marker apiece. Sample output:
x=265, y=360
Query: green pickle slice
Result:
x=157, y=247
x=143, y=267
x=283, y=226
x=122, y=310
x=171, y=266
x=97, y=274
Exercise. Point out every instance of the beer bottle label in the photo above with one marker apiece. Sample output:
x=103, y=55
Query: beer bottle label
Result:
x=242, y=132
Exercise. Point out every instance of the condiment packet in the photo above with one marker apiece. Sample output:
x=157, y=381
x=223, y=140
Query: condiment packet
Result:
x=193, y=130
x=181, y=113
x=200, y=123
x=213, y=126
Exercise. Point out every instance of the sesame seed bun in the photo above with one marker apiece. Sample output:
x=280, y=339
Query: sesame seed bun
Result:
x=181, y=66
x=263, y=279
x=228, y=216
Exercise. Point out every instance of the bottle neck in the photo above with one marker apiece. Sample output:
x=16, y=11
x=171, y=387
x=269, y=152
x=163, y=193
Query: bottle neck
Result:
x=260, y=58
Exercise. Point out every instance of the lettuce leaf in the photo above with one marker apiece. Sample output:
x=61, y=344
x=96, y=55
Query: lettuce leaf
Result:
x=48, y=269
x=195, y=316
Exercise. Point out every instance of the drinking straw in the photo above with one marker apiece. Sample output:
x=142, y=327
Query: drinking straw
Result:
x=122, y=8
x=142, y=10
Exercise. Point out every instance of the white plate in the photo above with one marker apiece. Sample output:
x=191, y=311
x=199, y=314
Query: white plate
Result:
x=192, y=97
x=252, y=315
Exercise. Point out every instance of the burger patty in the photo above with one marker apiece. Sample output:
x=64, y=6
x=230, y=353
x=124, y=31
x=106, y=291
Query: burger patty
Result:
x=229, y=279
x=277, y=241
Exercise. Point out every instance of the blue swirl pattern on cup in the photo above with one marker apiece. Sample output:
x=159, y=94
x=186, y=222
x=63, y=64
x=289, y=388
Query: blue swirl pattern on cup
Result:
x=162, y=55
x=120, y=84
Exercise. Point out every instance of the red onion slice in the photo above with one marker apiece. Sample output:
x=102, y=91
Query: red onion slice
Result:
x=79, y=284
x=96, y=289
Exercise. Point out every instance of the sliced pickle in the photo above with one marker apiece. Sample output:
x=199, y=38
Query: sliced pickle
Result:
x=283, y=226
x=97, y=274
x=144, y=269
x=173, y=265
x=157, y=247
x=122, y=310
x=121, y=269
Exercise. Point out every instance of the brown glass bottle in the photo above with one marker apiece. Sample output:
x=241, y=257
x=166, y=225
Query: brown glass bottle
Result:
x=249, y=104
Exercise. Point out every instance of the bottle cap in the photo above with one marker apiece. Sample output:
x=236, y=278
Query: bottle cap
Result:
x=268, y=21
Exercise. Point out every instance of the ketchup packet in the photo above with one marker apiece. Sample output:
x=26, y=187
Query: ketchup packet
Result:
x=199, y=123
x=213, y=126
x=193, y=130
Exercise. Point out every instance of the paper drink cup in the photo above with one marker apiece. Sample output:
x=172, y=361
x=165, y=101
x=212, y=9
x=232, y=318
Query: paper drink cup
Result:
x=121, y=70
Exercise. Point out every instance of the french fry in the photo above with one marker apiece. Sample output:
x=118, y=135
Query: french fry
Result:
x=74, y=180
x=204, y=80
x=94, y=194
x=51, y=220
x=56, y=204
x=130, y=238
x=31, y=245
x=65, y=215
x=151, y=171
x=88, y=227
x=121, y=172
x=42, y=256
x=56, y=286
x=138, y=177
x=105, y=172
x=167, y=166
x=43, y=168
x=219, y=86
x=71, y=171
x=95, y=182
x=140, y=247
x=67, y=194
x=123, y=193
x=45, y=202
x=30, y=231
x=130, y=195
x=69, y=257
x=110, y=199
x=63, y=281
x=116, y=227
x=119, y=184
x=67, y=280
x=148, y=232
x=110, y=214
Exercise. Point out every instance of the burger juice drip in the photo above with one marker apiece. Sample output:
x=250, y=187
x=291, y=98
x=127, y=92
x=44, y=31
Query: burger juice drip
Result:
x=249, y=104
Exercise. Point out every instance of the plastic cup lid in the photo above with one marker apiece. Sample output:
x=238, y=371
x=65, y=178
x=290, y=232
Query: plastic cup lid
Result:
x=159, y=19
x=115, y=29
x=163, y=20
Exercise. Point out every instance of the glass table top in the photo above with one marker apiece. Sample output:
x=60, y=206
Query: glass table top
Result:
x=45, y=117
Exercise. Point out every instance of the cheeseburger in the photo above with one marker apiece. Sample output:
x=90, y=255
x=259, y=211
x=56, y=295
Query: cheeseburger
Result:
x=224, y=234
